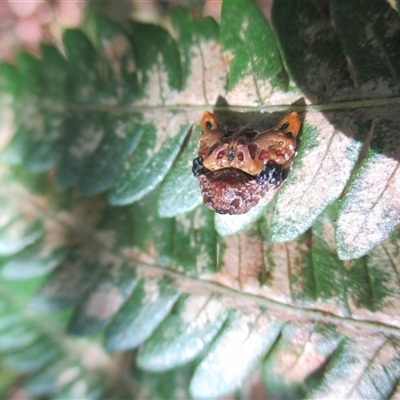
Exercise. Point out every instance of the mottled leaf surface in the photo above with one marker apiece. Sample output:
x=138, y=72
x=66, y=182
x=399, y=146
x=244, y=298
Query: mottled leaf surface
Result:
x=370, y=208
x=149, y=305
x=106, y=296
x=246, y=337
x=176, y=341
x=252, y=53
x=302, y=351
x=180, y=190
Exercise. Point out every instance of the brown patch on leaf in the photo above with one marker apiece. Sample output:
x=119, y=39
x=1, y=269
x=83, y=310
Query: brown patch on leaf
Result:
x=139, y=256
x=242, y=262
x=104, y=302
x=114, y=51
x=301, y=352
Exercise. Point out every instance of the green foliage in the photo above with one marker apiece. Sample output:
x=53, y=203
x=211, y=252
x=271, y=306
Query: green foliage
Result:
x=103, y=233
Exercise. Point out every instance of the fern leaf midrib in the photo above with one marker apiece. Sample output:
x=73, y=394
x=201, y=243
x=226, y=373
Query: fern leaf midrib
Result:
x=209, y=286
